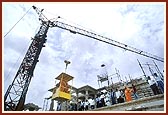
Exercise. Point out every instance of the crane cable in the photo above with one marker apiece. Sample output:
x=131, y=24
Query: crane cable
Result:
x=14, y=65
x=17, y=22
x=23, y=49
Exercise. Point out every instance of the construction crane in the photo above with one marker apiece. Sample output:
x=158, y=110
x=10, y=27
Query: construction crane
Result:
x=15, y=95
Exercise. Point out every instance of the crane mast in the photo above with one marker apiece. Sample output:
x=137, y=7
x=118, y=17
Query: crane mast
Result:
x=15, y=95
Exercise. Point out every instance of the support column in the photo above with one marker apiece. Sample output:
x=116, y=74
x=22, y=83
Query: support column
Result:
x=86, y=95
x=77, y=97
x=51, y=105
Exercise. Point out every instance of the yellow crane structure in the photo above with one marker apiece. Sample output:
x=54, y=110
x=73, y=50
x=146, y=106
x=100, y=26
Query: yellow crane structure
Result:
x=63, y=91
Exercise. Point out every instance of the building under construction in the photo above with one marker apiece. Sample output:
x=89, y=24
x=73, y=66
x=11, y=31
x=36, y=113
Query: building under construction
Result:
x=87, y=92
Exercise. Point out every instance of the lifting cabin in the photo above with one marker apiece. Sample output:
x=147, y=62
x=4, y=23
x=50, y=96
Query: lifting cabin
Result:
x=62, y=91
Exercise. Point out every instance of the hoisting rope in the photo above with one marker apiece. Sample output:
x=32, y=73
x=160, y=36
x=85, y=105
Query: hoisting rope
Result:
x=17, y=22
x=14, y=65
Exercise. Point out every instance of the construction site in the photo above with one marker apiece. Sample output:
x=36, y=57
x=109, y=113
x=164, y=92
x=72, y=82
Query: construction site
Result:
x=65, y=96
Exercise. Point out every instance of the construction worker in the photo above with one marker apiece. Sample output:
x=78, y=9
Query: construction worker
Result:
x=118, y=94
x=98, y=101
x=121, y=98
x=128, y=92
x=135, y=92
x=159, y=82
x=59, y=106
x=92, y=103
x=86, y=105
x=113, y=97
x=153, y=85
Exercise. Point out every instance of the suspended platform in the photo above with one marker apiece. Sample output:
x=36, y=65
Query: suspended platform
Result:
x=62, y=91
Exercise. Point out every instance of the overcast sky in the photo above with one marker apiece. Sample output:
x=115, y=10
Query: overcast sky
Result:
x=138, y=25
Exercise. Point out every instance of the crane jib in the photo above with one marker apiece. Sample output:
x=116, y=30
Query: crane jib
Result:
x=89, y=34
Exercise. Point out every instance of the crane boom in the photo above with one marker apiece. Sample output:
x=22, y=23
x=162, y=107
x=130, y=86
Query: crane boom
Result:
x=98, y=37
x=15, y=95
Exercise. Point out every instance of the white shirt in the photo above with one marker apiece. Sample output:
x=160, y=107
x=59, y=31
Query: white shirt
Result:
x=151, y=81
x=107, y=95
x=118, y=94
x=158, y=78
x=102, y=96
x=86, y=103
x=92, y=102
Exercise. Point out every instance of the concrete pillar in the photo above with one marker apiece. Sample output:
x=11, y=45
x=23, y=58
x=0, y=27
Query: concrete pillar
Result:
x=77, y=99
x=86, y=95
x=77, y=96
x=95, y=96
x=51, y=105
x=95, y=100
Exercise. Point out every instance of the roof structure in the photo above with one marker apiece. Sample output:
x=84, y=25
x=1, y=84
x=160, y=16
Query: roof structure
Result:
x=66, y=77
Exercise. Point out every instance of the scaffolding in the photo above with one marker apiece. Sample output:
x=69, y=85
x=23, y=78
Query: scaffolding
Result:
x=152, y=68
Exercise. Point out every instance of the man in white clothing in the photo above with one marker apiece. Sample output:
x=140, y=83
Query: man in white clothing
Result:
x=92, y=103
x=153, y=85
x=118, y=94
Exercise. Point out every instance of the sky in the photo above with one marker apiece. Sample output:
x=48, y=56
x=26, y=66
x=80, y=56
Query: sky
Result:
x=140, y=25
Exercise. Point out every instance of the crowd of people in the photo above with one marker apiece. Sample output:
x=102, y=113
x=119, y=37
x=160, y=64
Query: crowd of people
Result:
x=103, y=99
x=115, y=96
